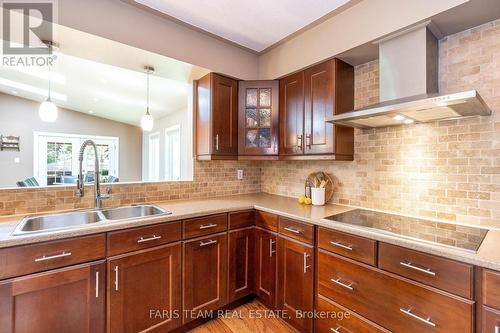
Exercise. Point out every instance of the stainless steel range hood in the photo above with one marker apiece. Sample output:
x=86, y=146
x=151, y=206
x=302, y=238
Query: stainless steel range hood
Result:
x=408, y=80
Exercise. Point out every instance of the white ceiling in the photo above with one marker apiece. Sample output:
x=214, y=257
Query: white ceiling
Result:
x=95, y=88
x=256, y=24
x=104, y=78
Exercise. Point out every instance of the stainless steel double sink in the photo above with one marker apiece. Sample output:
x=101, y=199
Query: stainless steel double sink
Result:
x=53, y=222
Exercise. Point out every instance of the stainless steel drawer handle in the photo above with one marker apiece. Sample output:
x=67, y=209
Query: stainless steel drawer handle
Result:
x=116, y=278
x=60, y=255
x=497, y=329
x=295, y=231
x=342, y=284
x=208, y=226
x=426, y=321
x=152, y=238
x=210, y=242
x=306, y=266
x=97, y=284
x=271, y=251
x=342, y=246
x=427, y=271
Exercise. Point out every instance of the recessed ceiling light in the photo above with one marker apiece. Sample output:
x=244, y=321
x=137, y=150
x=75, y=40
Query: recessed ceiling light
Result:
x=91, y=111
x=103, y=80
x=409, y=121
x=399, y=117
x=14, y=92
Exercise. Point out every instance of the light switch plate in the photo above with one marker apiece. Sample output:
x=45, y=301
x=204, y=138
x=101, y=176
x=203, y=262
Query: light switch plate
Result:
x=239, y=174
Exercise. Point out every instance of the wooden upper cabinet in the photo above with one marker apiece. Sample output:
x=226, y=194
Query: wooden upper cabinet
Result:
x=65, y=300
x=292, y=114
x=258, y=118
x=307, y=99
x=144, y=290
x=216, y=105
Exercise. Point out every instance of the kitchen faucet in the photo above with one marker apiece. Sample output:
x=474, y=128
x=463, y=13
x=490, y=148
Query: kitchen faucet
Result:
x=80, y=183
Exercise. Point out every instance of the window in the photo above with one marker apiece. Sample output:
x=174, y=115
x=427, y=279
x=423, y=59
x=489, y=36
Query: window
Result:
x=56, y=158
x=154, y=157
x=173, y=153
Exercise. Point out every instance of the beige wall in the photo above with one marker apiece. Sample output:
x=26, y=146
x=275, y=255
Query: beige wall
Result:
x=447, y=169
x=19, y=117
x=122, y=22
x=360, y=24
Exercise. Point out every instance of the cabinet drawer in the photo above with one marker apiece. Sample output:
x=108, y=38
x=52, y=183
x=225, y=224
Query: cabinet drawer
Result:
x=491, y=289
x=140, y=238
x=491, y=320
x=341, y=319
x=297, y=230
x=266, y=220
x=241, y=219
x=205, y=225
x=438, y=272
x=22, y=260
x=354, y=247
x=395, y=303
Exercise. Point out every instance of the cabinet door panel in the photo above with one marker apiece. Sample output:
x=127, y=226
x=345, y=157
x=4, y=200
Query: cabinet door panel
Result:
x=292, y=114
x=295, y=281
x=265, y=267
x=205, y=273
x=241, y=259
x=144, y=290
x=258, y=118
x=225, y=115
x=319, y=86
x=65, y=300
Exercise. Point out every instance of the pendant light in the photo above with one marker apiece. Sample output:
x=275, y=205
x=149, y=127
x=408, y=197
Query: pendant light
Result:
x=48, y=110
x=147, y=120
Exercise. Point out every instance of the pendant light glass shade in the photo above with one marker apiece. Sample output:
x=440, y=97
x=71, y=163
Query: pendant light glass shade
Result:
x=48, y=111
x=147, y=121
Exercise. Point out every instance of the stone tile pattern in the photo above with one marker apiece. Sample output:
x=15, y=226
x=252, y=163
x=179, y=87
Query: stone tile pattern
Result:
x=448, y=169
x=211, y=179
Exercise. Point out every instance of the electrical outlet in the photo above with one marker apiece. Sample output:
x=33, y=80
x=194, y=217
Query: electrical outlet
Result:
x=239, y=173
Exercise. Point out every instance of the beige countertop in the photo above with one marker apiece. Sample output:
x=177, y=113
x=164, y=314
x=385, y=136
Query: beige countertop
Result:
x=487, y=256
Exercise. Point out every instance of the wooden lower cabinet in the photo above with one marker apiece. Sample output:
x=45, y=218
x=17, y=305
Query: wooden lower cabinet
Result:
x=333, y=318
x=395, y=303
x=241, y=260
x=205, y=274
x=70, y=299
x=491, y=320
x=144, y=290
x=265, y=267
x=296, y=282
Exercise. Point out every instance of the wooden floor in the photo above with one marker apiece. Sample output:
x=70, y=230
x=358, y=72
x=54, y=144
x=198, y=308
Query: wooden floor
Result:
x=239, y=321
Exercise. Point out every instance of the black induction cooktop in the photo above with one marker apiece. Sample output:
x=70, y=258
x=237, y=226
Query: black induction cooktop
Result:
x=447, y=234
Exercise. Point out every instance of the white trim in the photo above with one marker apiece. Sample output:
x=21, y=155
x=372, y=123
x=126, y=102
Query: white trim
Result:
x=171, y=129
x=36, y=143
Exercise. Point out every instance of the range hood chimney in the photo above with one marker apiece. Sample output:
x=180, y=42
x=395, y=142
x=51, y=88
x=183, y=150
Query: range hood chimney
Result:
x=408, y=65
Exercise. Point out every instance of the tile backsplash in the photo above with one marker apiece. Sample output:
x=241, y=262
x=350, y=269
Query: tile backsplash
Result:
x=448, y=169
x=215, y=178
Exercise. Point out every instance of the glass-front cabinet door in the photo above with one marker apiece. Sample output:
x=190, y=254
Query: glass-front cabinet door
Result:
x=258, y=118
